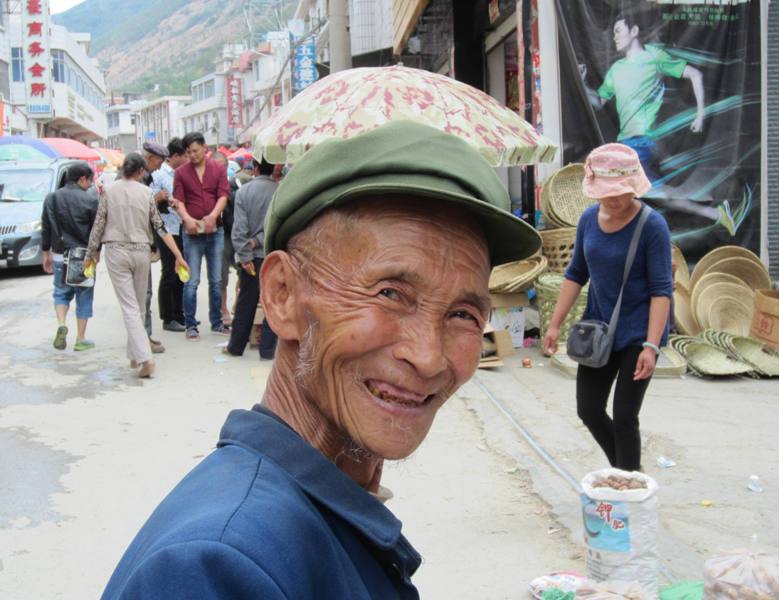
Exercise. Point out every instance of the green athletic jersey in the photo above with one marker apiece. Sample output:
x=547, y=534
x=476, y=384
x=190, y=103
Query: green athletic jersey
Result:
x=638, y=86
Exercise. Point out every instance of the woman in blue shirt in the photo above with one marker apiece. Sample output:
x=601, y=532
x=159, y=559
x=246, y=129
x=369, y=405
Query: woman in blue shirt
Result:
x=614, y=176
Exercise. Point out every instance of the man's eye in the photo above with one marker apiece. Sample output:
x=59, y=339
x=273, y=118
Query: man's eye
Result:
x=390, y=293
x=464, y=314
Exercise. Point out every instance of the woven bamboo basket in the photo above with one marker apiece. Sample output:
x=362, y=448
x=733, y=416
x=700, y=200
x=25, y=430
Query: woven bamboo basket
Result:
x=565, y=201
x=557, y=245
x=517, y=276
x=548, y=290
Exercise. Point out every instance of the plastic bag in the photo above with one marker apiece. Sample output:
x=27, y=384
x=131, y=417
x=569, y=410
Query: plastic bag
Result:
x=563, y=581
x=684, y=590
x=741, y=575
x=620, y=528
x=611, y=590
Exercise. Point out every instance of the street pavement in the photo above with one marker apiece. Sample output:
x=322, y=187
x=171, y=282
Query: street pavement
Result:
x=89, y=451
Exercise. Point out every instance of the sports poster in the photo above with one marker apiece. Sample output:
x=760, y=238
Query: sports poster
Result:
x=680, y=82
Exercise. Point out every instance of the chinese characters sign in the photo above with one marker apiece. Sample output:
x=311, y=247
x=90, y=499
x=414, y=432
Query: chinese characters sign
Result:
x=36, y=40
x=305, y=72
x=234, y=103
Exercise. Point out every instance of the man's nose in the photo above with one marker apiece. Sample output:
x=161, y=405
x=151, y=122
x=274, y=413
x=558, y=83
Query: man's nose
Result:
x=423, y=348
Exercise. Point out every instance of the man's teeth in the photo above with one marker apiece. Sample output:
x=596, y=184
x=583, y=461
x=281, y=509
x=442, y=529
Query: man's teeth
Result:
x=390, y=398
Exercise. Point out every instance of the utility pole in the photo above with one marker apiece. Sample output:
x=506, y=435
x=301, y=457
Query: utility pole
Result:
x=340, y=42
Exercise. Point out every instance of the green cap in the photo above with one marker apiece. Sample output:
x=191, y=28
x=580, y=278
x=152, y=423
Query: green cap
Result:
x=407, y=159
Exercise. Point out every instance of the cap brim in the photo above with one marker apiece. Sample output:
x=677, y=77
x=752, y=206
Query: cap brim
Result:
x=508, y=237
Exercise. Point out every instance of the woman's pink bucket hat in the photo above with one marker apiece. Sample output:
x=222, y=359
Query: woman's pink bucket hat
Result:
x=613, y=170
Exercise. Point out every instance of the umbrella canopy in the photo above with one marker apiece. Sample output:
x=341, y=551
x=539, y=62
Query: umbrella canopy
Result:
x=73, y=149
x=21, y=152
x=39, y=145
x=112, y=158
x=240, y=152
x=351, y=102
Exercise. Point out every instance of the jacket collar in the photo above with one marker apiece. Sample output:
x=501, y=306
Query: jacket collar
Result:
x=260, y=431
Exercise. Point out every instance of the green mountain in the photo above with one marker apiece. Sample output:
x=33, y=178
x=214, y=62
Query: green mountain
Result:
x=147, y=45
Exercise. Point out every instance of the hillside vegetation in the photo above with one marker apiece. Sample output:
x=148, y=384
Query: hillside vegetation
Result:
x=146, y=43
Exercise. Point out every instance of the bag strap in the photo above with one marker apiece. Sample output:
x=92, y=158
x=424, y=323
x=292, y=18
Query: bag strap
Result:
x=628, y=265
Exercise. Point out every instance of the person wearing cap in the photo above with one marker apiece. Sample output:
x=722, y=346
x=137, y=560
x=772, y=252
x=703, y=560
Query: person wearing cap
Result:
x=154, y=155
x=378, y=251
x=171, y=289
x=615, y=177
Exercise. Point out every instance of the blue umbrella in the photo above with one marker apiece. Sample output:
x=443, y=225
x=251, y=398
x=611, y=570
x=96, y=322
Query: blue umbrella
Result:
x=40, y=146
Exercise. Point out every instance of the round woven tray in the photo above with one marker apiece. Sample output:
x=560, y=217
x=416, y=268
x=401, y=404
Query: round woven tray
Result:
x=682, y=269
x=754, y=274
x=548, y=290
x=726, y=306
x=710, y=279
x=749, y=350
x=706, y=359
x=716, y=255
x=565, y=200
x=683, y=315
x=557, y=245
x=516, y=276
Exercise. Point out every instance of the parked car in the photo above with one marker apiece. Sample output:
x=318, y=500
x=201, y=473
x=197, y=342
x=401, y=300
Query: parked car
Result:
x=23, y=187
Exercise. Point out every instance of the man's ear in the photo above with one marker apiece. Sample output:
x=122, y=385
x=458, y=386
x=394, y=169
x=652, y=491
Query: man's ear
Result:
x=279, y=287
x=634, y=31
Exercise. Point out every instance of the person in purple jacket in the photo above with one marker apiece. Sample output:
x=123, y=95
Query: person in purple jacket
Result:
x=614, y=176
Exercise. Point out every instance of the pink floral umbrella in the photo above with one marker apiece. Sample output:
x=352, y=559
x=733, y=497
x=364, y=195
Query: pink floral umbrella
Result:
x=351, y=102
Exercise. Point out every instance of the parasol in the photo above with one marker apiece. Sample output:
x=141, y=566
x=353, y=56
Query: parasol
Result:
x=355, y=101
x=35, y=143
x=73, y=149
x=22, y=152
x=112, y=158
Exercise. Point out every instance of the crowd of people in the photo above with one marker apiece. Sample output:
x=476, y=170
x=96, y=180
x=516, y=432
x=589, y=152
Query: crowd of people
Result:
x=180, y=204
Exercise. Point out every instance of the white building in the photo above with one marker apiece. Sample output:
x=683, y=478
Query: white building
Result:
x=208, y=111
x=78, y=86
x=121, y=126
x=160, y=120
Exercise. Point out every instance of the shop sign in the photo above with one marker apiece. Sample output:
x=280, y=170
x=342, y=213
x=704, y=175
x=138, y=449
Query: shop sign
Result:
x=305, y=72
x=36, y=46
x=234, y=102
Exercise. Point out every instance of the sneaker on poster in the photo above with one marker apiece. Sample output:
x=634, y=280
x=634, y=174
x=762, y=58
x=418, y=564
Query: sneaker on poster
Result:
x=82, y=345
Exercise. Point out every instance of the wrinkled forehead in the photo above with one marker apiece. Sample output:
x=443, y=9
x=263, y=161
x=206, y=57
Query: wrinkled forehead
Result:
x=427, y=236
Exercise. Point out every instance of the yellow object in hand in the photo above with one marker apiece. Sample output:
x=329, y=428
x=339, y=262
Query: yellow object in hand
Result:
x=89, y=269
x=183, y=273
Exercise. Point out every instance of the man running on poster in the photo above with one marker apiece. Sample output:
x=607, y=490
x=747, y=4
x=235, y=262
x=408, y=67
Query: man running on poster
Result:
x=636, y=84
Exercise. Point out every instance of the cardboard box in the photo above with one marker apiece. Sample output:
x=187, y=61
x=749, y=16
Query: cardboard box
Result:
x=496, y=346
x=508, y=313
x=765, y=322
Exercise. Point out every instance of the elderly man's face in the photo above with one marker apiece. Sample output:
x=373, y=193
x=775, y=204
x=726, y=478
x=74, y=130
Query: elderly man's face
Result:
x=395, y=304
x=153, y=162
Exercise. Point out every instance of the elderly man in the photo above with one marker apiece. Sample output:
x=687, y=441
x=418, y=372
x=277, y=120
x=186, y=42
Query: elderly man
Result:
x=375, y=278
x=154, y=155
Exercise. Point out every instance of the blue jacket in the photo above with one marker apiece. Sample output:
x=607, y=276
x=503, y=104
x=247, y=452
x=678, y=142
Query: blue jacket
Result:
x=600, y=258
x=266, y=516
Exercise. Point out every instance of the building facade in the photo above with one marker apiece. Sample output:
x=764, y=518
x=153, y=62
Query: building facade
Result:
x=160, y=120
x=207, y=112
x=121, y=126
x=77, y=87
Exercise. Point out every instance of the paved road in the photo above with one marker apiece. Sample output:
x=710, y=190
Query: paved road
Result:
x=88, y=451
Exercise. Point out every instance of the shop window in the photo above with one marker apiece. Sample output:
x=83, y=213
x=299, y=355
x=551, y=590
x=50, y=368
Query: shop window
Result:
x=17, y=64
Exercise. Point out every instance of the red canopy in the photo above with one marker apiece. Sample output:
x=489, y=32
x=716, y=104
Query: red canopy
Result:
x=240, y=152
x=74, y=149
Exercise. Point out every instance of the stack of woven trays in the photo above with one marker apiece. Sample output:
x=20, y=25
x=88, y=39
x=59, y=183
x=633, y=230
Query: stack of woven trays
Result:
x=719, y=294
x=718, y=353
x=548, y=290
x=562, y=204
x=562, y=198
x=518, y=276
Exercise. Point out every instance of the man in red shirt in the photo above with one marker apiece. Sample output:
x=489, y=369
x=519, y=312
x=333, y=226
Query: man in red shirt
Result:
x=200, y=191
